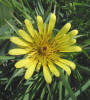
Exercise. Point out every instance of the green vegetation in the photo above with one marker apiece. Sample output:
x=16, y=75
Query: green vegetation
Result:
x=13, y=86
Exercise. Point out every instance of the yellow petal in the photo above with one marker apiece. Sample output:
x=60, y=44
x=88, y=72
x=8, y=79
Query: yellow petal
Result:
x=70, y=42
x=63, y=66
x=18, y=51
x=30, y=71
x=40, y=24
x=73, y=41
x=71, y=49
x=73, y=33
x=53, y=69
x=67, y=42
x=18, y=41
x=45, y=28
x=47, y=74
x=22, y=63
x=29, y=27
x=69, y=63
x=24, y=35
x=38, y=67
x=51, y=23
x=64, y=29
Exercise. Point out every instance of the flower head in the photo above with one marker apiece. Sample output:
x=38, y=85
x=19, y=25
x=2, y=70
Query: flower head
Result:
x=43, y=50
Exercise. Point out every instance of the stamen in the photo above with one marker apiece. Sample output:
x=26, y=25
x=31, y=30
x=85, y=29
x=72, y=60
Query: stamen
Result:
x=44, y=48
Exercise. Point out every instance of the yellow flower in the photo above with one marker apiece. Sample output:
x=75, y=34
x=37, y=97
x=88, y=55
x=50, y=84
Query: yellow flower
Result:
x=43, y=50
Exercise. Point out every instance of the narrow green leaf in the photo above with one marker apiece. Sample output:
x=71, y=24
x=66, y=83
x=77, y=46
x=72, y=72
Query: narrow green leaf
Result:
x=14, y=28
x=15, y=74
x=66, y=92
x=48, y=97
x=87, y=41
x=19, y=22
x=5, y=11
x=26, y=97
x=6, y=57
x=82, y=89
x=43, y=93
x=40, y=8
x=4, y=37
x=80, y=4
x=36, y=89
x=86, y=54
x=67, y=86
x=49, y=90
x=48, y=11
x=60, y=90
x=78, y=36
x=85, y=69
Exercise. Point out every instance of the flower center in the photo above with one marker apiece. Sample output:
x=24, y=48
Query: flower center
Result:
x=44, y=48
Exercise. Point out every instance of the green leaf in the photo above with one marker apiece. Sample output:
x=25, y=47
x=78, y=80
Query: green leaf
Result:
x=15, y=74
x=86, y=54
x=36, y=88
x=67, y=86
x=4, y=37
x=60, y=90
x=85, y=69
x=82, y=89
x=78, y=36
x=6, y=57
x=87, y=41
x=43, y=93
x=5, y=11
x=47, y=13
x=80, y=4
x=40, y=7
x=50, y=92
x=26, y=97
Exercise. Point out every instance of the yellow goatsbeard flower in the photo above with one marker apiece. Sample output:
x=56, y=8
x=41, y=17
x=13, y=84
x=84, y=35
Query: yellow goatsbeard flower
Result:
x=43, y=50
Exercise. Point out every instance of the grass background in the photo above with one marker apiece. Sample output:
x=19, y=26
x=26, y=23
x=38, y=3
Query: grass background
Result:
x=12, y=83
